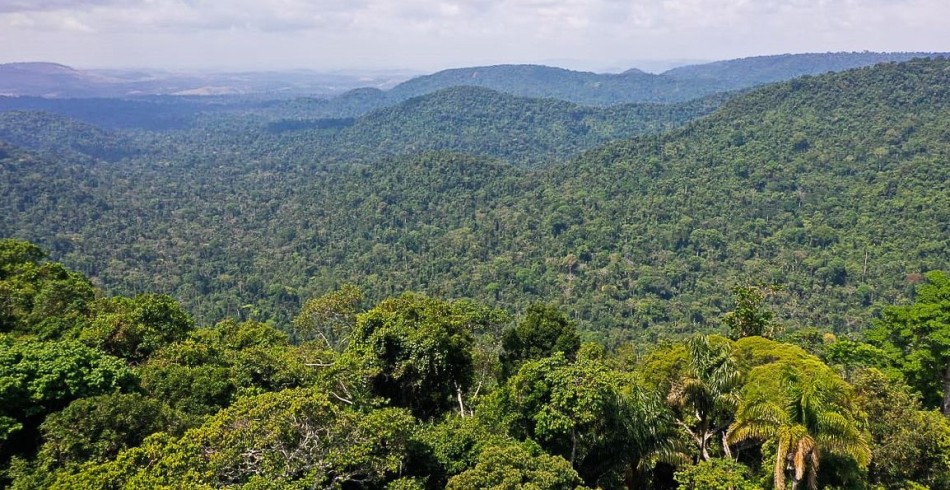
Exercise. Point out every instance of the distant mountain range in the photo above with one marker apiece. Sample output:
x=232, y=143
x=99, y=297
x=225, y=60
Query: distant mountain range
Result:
x=59, y=81
x=676, y=85
x=374, y=90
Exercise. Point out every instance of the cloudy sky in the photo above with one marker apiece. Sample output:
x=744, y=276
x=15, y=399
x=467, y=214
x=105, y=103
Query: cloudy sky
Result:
x=430, y=34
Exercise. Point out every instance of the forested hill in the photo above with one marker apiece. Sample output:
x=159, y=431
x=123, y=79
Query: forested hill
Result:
x=482, y=122
x=828, y=187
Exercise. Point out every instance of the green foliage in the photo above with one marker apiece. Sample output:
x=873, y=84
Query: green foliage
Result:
x=909, y=445
x=542, y=332
x=749, y=318
x=823, y=185
x=98, y=428
x=289, y=439
x=806, y=184
x=716, y=474
x=134, y=328
x=517, y=467
x=329, y=318
x=213, y=366
x=41, y=377
x=456, y=443
x=853, y=355
x=801, y=407
x=705, y=394
x=419, y=350
x=239, y=405
x=40, y=298
x=485, y=123
x=594, y=417
x=917, y=337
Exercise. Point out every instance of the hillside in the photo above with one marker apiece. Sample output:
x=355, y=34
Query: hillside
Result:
x=68, y=138
x=824, y=186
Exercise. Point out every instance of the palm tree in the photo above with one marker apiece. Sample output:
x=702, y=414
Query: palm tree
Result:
x=706, y=395
x=808, y=418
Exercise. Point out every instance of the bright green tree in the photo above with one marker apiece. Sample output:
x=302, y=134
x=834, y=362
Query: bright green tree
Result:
x=134, y=328
x=917, y=337
x=40, y=298
x=592, y=416
x=99, y=427
x=716, y=474
x=41, y=377
x=806, y=411
x=749, y=317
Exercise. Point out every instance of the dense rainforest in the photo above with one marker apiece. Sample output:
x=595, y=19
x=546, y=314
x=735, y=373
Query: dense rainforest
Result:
x=416, y=392
x=498, y=277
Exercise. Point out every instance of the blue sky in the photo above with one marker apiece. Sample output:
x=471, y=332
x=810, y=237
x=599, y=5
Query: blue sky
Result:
x=428, y=35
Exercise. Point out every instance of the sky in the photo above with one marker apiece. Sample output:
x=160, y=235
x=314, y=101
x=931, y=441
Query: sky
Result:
x=424, y=35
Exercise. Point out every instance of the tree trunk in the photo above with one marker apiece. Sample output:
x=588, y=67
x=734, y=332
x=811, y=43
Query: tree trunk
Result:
x=704, y=446
x=725, y=447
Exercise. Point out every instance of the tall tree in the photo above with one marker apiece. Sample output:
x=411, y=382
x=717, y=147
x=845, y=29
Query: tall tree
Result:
x=329, y=318
x=749, y=317
x=592, y=416
x=705, y=395
x=804, y=411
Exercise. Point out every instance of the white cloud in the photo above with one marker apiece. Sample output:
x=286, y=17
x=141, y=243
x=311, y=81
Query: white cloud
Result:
x=431, y=34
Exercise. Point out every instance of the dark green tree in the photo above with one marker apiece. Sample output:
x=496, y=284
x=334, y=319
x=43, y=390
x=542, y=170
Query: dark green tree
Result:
x=704, y=395
x=418, y=352
x=98, y=428
x=542, y=332
x=908, y=445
